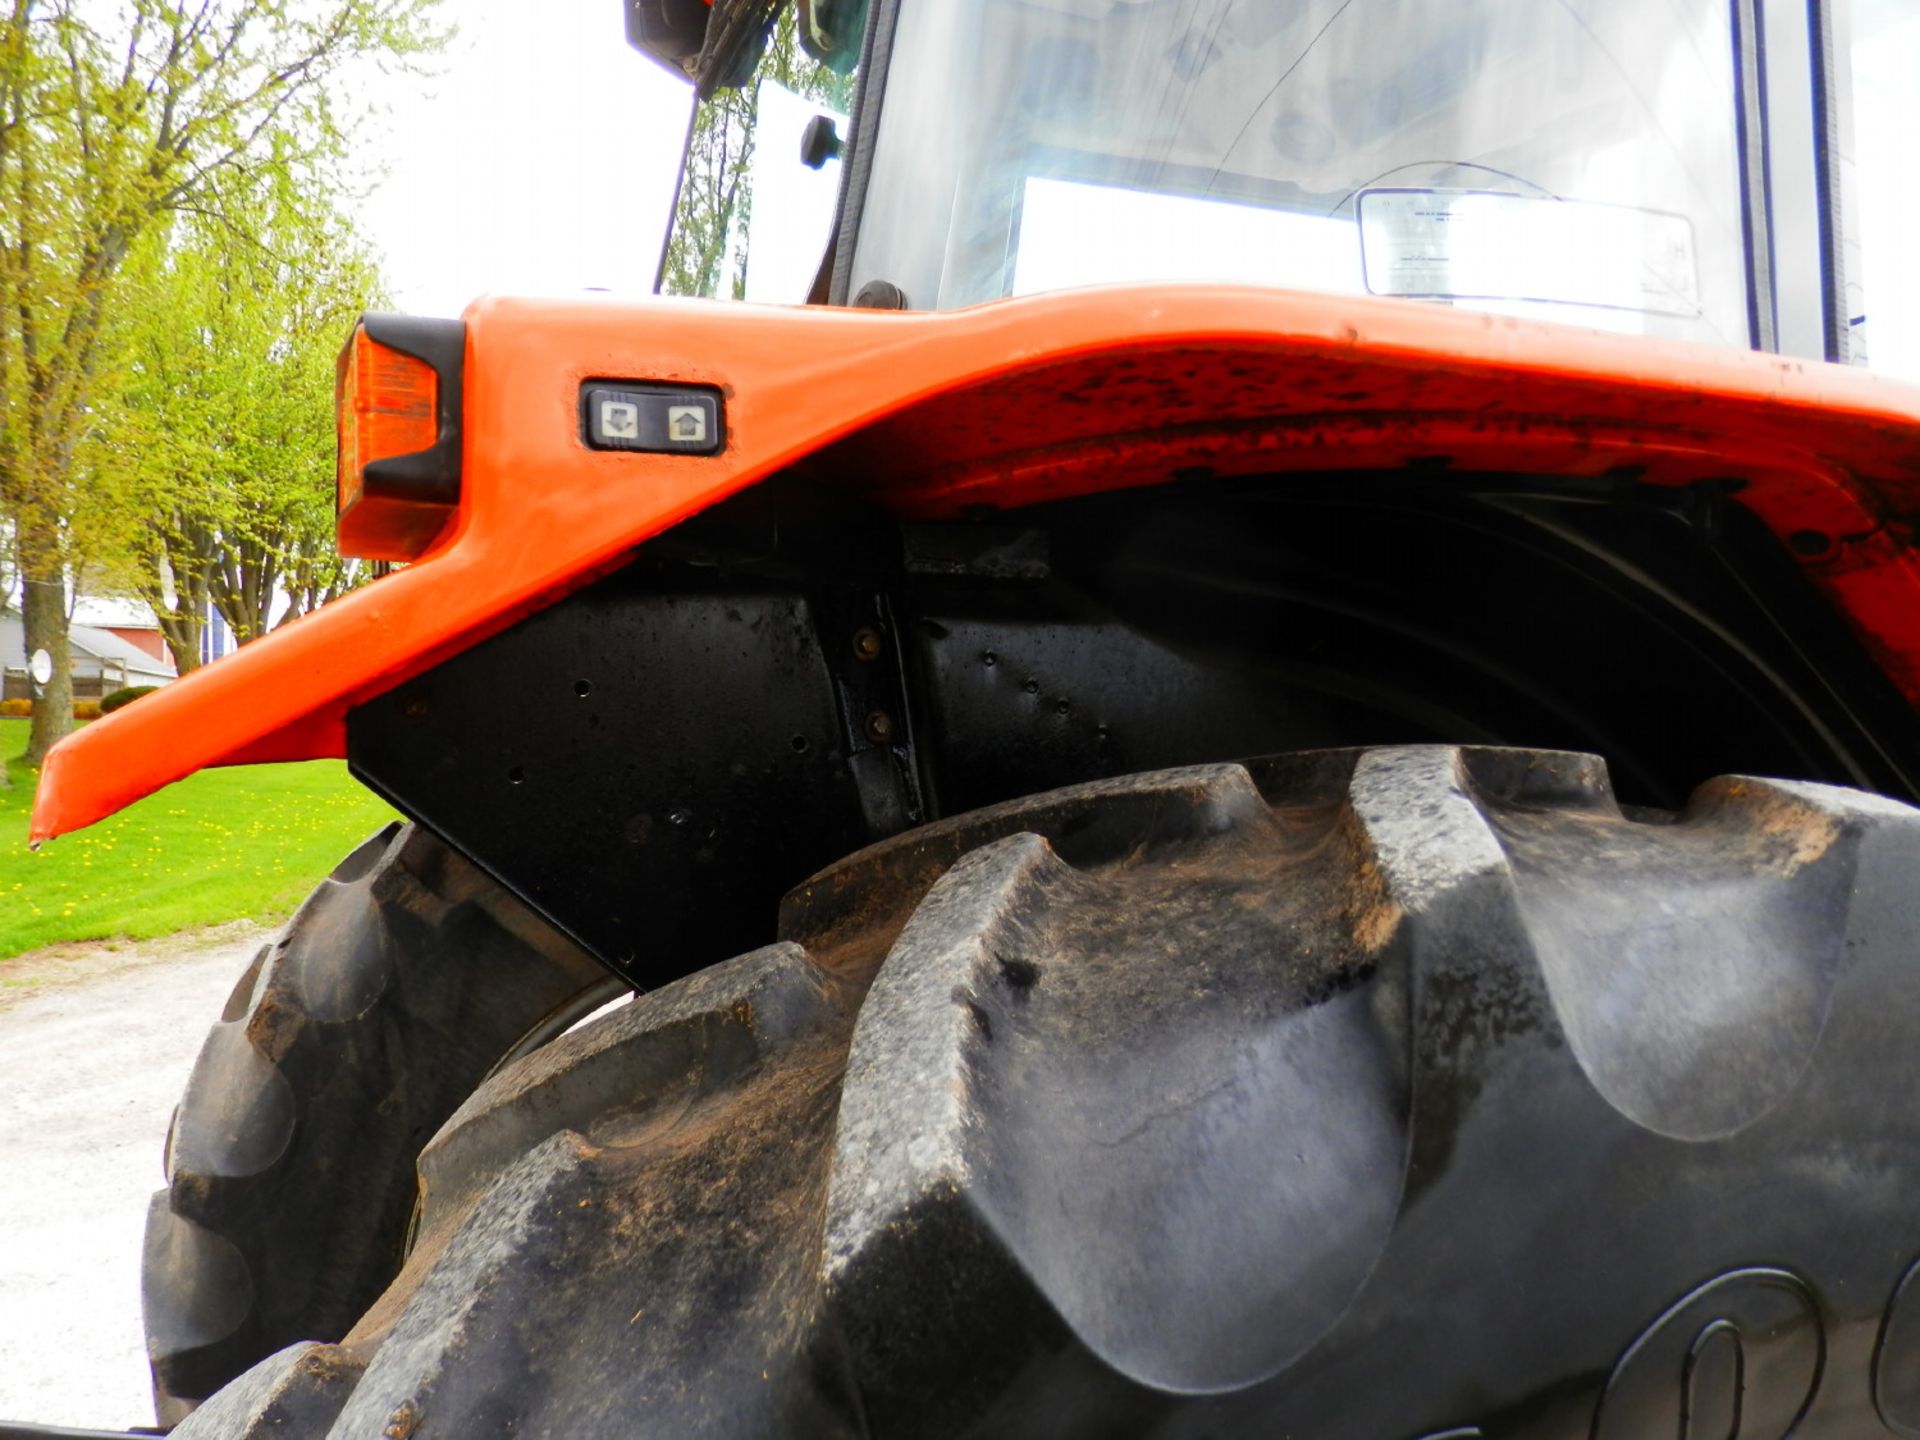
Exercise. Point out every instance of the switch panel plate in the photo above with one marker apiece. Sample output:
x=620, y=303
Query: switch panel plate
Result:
x=657, y=419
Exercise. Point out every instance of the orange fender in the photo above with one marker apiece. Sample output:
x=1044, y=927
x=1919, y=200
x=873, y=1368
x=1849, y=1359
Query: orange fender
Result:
x=1011, y=403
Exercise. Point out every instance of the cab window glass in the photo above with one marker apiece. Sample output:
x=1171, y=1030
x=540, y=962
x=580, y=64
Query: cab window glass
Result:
x=1883, y=186
x=752, y=221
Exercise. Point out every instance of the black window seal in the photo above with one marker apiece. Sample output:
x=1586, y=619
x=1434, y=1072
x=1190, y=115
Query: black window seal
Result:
x=1829, y=86
x=1756, y=197
x=876, y=55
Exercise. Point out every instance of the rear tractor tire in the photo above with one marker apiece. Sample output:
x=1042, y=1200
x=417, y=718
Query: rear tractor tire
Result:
x=400, y=984
x=1370, y=1095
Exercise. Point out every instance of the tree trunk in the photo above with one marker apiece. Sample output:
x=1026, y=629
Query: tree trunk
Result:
x=242, y=581
x=182, y=634
x=44, y=609
x=173, y=581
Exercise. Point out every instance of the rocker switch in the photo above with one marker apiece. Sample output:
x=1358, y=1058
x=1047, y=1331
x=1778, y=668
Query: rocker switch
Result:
x=659, y=419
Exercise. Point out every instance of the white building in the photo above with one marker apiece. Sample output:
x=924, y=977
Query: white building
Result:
x=121, y=647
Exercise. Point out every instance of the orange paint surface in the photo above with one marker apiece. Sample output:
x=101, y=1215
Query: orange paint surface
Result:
x=1012, y=403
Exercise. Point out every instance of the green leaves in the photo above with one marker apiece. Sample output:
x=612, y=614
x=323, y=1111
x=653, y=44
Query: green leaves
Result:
x=218, y=442
x=167, y=166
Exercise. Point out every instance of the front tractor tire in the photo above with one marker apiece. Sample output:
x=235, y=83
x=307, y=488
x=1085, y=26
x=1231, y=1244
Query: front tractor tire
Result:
x=1368, y=1095
x=400, y=983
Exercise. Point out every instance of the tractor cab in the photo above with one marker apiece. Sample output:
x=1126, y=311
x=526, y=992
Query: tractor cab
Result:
x=1683, y=169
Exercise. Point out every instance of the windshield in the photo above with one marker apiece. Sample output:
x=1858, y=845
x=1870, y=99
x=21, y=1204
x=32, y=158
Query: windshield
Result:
x=1566, y=159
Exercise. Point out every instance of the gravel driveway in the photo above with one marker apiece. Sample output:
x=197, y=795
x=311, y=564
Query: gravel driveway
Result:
x=95, y=1047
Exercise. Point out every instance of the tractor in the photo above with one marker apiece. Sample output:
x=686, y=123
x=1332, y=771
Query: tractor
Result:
x=1254, y=780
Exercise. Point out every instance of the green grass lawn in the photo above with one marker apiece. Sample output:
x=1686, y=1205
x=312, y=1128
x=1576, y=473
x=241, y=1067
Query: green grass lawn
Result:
x=243, y=843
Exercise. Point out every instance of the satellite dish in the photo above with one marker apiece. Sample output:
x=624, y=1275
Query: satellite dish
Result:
x=40, y=667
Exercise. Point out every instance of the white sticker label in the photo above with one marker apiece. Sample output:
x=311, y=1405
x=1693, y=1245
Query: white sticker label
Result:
x=687, y=424
x=1483, y=245
x=619, y=420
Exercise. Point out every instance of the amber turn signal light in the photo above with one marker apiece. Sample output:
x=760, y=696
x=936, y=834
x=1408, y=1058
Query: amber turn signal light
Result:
x=397, y=409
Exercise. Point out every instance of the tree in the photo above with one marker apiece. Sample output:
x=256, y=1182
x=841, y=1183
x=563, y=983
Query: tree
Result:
x=217, y=448
x=707, y=251
x=278, y=538
x=116, y=116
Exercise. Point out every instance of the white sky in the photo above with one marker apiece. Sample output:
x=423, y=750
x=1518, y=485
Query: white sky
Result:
x=539, y=158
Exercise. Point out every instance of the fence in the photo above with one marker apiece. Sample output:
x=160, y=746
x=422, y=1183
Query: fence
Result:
x=85, y=687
